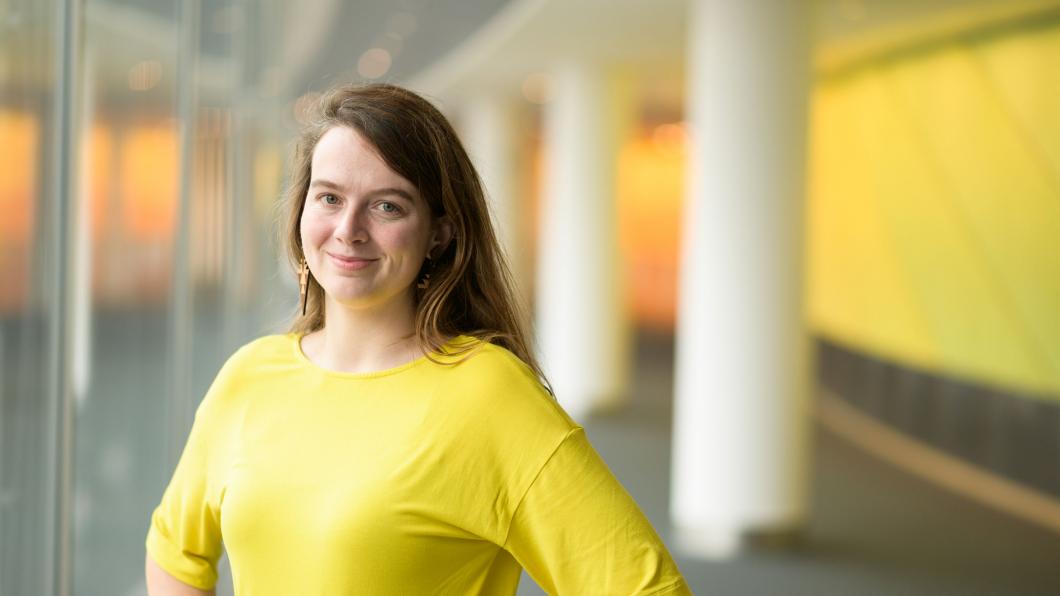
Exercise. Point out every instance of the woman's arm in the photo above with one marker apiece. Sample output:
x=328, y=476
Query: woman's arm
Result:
x=160, y=583
x=577, y=531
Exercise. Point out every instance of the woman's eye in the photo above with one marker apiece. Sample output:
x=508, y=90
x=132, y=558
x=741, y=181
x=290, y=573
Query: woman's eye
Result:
x=330, y=199
x=388, y=207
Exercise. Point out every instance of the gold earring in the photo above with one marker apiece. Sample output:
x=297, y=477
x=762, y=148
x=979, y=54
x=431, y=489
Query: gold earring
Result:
x=303, y=283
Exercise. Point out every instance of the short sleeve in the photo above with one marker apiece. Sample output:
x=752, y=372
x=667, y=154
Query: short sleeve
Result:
x=185, y=533
x=577, y=530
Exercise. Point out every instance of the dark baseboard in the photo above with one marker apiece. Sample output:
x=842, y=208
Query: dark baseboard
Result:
x=1012, y=435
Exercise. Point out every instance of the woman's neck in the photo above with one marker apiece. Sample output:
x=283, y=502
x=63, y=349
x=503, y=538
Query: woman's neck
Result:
x=364, y=340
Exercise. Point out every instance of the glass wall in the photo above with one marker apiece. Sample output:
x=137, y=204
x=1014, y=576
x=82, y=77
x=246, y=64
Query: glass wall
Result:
x=131, y=166
x=30, y=166
x=137, y=202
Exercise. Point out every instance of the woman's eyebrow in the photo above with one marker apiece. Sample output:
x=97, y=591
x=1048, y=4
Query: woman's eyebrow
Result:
x=389, y=190
x=322, y=182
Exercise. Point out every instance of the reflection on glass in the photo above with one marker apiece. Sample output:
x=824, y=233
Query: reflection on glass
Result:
x=131, y=165
x=28, y=172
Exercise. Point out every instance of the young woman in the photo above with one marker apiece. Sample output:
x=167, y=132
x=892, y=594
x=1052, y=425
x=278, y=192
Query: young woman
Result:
x=399, y=439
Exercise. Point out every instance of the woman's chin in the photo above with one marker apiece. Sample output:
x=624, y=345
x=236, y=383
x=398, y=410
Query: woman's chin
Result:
x=368, y=299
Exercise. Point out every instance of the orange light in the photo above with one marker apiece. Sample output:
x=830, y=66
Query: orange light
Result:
x=149, y=162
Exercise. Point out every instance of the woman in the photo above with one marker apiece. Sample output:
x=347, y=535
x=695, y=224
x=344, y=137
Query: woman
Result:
x=398, y=440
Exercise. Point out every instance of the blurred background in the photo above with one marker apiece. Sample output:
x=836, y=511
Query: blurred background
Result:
x=793, y=264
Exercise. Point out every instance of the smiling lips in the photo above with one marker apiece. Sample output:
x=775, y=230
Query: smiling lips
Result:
x=350, y=263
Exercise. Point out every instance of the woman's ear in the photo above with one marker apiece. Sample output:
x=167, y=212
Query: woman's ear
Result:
x=441, y=236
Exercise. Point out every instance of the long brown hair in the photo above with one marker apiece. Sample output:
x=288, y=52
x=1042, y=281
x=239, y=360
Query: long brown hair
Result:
x=471, y=288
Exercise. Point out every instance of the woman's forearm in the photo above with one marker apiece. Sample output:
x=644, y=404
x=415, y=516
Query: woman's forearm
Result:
x=160, y=583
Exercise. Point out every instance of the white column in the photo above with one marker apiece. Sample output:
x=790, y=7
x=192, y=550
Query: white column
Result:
x=582, y=319
x=740, y=442
x=492, y=131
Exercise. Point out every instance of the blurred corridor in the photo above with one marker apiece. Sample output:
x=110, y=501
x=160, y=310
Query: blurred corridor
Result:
x=792, y=264
x=875, y=529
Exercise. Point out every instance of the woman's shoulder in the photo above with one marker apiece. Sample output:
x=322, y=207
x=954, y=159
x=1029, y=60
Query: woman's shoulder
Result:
x=495, y=380
x=266, y=347
x=257, y=353
x=248, y=367
x=475, y=360
x=227, y=391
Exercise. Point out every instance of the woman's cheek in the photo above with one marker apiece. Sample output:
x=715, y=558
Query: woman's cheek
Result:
x=403, y=238
x=314, y=231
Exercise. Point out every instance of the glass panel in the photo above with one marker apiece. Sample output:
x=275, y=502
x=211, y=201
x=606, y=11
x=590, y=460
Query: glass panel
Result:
x=178, y=257
x=29, y=171
x=125, y=443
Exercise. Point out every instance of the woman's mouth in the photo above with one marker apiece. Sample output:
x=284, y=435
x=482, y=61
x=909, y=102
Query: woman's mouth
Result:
x=350, y=263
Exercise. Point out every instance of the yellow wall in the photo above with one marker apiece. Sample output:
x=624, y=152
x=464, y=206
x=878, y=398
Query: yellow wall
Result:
x=934, y=208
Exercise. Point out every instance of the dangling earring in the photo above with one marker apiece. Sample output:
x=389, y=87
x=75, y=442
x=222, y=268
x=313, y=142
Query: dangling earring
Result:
x=425, y=281
x=303, y=283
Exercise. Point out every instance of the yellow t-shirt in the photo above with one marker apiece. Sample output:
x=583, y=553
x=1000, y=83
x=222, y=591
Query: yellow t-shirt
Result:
x=422, y=479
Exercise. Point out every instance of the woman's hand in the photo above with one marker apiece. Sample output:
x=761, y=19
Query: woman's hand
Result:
x=160, y=583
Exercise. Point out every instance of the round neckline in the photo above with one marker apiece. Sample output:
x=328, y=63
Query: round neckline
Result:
x=296, y=344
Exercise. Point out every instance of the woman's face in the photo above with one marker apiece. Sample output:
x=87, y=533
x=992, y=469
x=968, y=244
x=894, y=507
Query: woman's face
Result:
x=365, y=229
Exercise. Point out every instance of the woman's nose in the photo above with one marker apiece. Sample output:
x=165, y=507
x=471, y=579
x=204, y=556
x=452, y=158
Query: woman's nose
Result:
x=353, y=227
